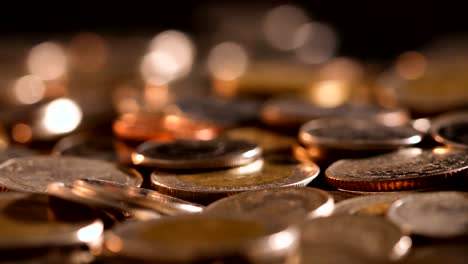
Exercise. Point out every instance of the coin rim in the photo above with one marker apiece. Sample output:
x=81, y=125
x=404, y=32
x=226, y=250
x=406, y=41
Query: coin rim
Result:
x=445, y=120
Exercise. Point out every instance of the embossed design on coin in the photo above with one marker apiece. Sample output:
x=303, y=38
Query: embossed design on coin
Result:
x=33, y=174
x=196, y=154
x=438, y=214
x=411, y=168
x=375, y=204
x=451, y=129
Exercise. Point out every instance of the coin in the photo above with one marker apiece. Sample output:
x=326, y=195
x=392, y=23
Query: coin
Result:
x=368, y=236
x=196, y=154
x=86, y=145
x=32, y=221
x=281, y=206
x=33, y=174
x=14, y=151
x=188, y=239
x=411, y=168
x=356, y=134
x=212, y=185
x=451, y=129
x=367, y=205
x=438, y=214
x=267, y=140
x=454, y=253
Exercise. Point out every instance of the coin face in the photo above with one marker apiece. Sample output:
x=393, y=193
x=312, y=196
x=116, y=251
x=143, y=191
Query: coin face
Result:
x=87, y=146
x=282, y=206
x=438, y=214
x=33, y=174
x=356, y=134
x=411, y=168
x=212, y=185
x=451, y=129
x=196, y=154
x=32, y=220
x=377, y=204
x=368, y=236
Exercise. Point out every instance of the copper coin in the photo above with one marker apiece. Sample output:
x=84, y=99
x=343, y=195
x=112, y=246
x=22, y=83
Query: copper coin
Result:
x=411, y=168
x=451, y=129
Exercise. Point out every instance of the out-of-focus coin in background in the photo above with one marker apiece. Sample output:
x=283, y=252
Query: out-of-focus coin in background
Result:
x=268, y=140
x=377, y=204
x=87, y=145
x=451, y=129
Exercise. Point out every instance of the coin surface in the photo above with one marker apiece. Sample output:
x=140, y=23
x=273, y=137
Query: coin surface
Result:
x=282, y=206
x=267, y=140
x=32, y=221
x=196, y=154
x=377, y=204
x=184, y=239
x=15, y=152
x=87, y=145
x=451, y=129
x=212, y=185
x=438, y=214
x=368, y=236
x=356, y=134
x=33, y=174
x=411, y=168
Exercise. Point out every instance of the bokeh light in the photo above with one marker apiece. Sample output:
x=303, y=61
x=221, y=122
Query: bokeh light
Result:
x=227, y=61
x=47, y=60
x=29, y=89
x=61, y=116
x=317, y=43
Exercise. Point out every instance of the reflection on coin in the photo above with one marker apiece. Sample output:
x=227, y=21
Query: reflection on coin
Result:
x=367, y=205
x=188, y=239
x=196, y=154
x=282, y=206
x=267, y=140
x=451, y=129
x=33, y=174
x=87, y=146
x=31, y=220
x=356, y=134
x=212, y=185
x=410, y=168
x=369, y=236
x=438, y=214
x=135, y=196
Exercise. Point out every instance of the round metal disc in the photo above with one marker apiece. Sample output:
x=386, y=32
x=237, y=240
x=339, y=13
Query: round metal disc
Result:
x=196, y=154
x=367, y=205
x=87, y=146
x=358, y=134
x=411, y=168
x=438, y=214
x=451, y=129
x=33, y=174
x=368, y=236
x=212, y=185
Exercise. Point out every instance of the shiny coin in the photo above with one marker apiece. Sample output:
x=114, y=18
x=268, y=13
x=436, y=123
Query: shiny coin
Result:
x=267, y=140
x=33, y=174
x=259, y=175
x=282, y=206
x=368, y=236
x=438, y=214
x=32, y=221
x=189, y=239
x=87, y=146
x=410, y=168
x=356, y=134
x=451, y=129
x=367, y=205
x=196, y=154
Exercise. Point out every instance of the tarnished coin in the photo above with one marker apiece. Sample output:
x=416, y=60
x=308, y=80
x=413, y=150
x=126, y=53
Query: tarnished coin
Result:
x=196, y=154
x=367, y=205
x=411, y=168
x=267, y=140
x=438, y=214
x=33, y=221
x=368, y=236
x=87, y=145
x=356, y=134
x=201, y=239
x=213, y=185
x=281, y=206
x=451, y=129
x=33, y=174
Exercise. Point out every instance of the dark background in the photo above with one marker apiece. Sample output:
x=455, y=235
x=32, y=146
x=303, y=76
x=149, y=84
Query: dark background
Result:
x=368, y=29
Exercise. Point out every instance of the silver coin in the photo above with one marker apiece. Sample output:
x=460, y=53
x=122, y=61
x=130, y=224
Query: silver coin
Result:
x=281, y=206
x=15, y=152
x=451, y=129
x=33, y=174
x=368, y=236
x=438, y=214
x=196, y=154
x=367, y=205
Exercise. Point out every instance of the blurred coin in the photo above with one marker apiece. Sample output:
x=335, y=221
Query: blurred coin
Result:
x=32, y=221
x=201, y=239
x=15, y=151
x=87, y=145
x=367, y=205
x=454, y=253
x=451, y=129
x=283, y=206
x=339, y=196
x=411, y=168
x=213, y=185
x=196, y=154
x=267, y=140
x=438, y=214
x=33, y=174
x=369, y=237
